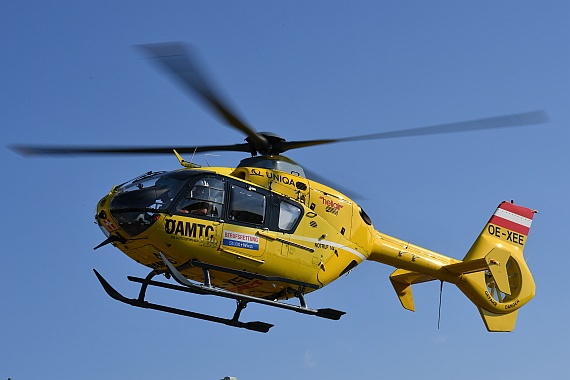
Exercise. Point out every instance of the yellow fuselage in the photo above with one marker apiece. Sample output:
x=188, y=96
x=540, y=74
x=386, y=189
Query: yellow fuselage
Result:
x=330, y=237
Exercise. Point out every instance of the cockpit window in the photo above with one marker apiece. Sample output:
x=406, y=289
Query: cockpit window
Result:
x=137, y=205
x=205, y=198
x=156, y=192
x=246, y=206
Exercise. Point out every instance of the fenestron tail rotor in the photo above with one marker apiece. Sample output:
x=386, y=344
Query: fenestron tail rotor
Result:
x=514, y=276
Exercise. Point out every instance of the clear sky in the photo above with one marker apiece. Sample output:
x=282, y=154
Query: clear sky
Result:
x=305, y=70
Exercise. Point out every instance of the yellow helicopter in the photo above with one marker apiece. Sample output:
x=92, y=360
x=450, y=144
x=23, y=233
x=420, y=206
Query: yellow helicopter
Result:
x=264, y=232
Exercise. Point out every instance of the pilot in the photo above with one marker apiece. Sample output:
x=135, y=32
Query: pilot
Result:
x=197, y=208
x=202, y=199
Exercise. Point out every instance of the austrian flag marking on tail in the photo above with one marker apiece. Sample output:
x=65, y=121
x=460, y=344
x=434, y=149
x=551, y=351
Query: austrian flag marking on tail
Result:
x=513, y=217
x=511, y=222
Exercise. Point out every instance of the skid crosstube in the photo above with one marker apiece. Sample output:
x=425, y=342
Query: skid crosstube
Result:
x=254, y=326
x=207, y=289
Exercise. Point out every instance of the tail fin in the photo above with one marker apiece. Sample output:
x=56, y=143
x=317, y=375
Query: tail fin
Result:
x=506, y=284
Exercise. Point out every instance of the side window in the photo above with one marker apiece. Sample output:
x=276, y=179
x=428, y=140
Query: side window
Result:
x=246, y=206
x=288, y=215
x=205, y=198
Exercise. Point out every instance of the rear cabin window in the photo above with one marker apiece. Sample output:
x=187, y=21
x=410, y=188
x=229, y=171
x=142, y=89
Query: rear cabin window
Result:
x=288, y=216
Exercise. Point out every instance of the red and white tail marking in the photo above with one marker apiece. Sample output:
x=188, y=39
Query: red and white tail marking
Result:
x=513, y=217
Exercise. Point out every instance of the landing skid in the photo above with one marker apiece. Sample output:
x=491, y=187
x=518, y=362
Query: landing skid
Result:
x=207, y=289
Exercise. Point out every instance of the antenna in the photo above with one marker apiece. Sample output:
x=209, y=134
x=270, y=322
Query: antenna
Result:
x=527, y=258
x=214, y=155
x=439, y=308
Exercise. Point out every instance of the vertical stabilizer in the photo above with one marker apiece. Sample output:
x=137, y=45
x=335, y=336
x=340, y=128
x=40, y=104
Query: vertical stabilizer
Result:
x=507, y=284
x=498, y=322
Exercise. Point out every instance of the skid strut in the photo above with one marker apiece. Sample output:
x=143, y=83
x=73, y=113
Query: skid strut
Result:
x=206, y=288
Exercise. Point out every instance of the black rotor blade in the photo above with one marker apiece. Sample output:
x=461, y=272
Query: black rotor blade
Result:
x=30, y=150
x=513, y=120
x=332, y=184
x=177, y=60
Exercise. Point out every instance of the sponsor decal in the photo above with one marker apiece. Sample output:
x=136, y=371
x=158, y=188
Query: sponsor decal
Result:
x=283, y=179
x=203, y=234
x=187, y=229
x=330, y=205
x=240, y=240
x=512, y=305
x=490, y=298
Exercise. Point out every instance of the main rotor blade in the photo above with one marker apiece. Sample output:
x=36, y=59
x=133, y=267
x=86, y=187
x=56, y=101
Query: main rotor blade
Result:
x=332, y=184
x=177, y=60
x=26, y=150
x=513, y=120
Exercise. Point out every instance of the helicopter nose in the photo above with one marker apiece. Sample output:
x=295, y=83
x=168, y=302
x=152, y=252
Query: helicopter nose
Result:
x=107, y=226
x=133, y=212
x=130, y=209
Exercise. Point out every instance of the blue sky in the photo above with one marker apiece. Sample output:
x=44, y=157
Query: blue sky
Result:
x=304, y=70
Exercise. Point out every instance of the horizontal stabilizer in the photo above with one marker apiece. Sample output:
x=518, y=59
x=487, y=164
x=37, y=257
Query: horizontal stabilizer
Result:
x=466, y=267
x=402, y=281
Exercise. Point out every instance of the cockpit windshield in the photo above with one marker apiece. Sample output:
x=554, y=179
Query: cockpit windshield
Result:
x=155, y=192
x=137, y=204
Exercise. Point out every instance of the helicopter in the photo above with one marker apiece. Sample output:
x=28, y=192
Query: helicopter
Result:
x=268, y=230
